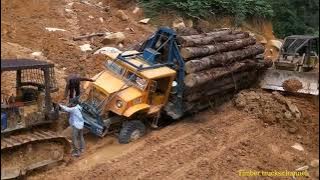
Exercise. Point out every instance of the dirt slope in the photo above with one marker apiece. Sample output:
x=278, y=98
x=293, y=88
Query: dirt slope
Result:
x=24, y=23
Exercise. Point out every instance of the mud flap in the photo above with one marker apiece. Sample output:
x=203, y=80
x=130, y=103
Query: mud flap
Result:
x=276, y=79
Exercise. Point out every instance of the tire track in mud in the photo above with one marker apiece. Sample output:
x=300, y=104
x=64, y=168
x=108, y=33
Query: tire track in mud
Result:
x=170, y=155
x=206, y=146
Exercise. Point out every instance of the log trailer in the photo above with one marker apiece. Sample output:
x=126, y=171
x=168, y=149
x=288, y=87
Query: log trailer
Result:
x=136, y=88
x=27, y=141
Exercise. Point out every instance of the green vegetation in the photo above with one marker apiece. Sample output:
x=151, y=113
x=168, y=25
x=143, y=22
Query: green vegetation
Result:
x=206, y=8
x=288, y=16
x=295, y=17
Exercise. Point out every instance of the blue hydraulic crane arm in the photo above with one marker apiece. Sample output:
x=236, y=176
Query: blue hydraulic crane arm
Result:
x=174, y=58
x=150, y=50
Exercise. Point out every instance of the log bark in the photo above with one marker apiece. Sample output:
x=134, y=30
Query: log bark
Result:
x=187, y=41
x=183, y=39
x=213, y=101
x=216, y=32
x=191, y=52
x=186, y=31
x=236, y=82
x=228, y=82
x=223, y=58
x=197, y=79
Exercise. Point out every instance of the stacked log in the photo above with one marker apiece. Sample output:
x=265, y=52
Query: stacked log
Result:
x=218, y=64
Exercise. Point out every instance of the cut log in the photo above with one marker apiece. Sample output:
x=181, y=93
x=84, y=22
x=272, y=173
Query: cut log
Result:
x=235, y=81
x=223, y=58
x=214, y=100
x=183, y=39
x=191, y=52
x=216, y=32
x=186, y=31
x=215, y=83
x=226, y=83
x=196, y=79
x=186, y=41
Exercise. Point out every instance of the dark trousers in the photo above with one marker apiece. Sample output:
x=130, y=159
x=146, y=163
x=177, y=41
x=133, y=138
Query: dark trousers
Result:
x=77, y=140
x=73, y=90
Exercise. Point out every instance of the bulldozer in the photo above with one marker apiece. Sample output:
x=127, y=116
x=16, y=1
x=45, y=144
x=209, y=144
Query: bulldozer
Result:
x=27, y=115
x=296, y=68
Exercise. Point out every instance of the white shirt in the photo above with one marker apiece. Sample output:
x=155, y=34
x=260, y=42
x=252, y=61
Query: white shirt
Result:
x=76, y=118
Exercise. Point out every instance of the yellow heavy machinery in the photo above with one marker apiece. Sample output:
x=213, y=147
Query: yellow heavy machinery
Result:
x=27, y=113
x=297, y=67
x=125, y=94
x=136, y=88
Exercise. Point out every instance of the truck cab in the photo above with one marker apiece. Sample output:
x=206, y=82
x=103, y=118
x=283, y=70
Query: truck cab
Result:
x=129, y=89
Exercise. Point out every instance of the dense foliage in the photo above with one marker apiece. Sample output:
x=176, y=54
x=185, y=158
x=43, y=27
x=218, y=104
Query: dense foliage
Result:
x=204, y=8
x=295, y=17
x=288, y=16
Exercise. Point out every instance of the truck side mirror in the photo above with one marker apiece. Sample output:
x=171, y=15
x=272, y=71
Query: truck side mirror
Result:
x=153, y=86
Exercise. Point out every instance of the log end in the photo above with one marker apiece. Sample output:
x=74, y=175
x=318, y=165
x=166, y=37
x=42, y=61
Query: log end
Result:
x=185, y=53
x=190, y=80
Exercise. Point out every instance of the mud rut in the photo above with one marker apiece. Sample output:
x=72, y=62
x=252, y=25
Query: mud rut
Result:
x=209, y=145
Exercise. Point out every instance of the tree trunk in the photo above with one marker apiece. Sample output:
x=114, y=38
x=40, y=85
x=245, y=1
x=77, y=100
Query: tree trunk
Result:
x=236, y=81
x=210, y=101
x=216, y=32
x=199, y=78
x=226, y=83
x=232, y=77
x=184, y=39
x=223, y=58
x=191, y=52
x=224, y=36
x=186, y=31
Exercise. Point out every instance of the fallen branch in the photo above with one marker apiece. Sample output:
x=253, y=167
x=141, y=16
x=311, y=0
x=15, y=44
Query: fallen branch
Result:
x=88, y=36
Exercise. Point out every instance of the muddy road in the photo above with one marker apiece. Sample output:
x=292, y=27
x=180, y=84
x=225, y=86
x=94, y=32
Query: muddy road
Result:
x=213, y=144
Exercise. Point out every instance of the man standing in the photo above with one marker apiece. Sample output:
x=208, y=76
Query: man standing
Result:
x=76, y=121
x=73, y=85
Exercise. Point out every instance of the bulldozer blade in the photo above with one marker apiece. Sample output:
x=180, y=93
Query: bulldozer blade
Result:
x=276, y=79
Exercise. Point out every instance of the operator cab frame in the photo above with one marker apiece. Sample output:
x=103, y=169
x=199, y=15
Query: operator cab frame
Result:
x=299, y=53
x=34, y=83
x=159, y=77
x=152, y=83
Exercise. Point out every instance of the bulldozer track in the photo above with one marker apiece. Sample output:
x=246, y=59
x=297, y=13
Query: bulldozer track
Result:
x=38, y=135
x=44, y=148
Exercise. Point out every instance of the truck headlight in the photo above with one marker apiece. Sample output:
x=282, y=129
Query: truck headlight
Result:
x=119, y=103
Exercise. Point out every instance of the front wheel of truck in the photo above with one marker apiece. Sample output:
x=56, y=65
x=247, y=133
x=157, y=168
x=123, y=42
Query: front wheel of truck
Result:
x=131, y=131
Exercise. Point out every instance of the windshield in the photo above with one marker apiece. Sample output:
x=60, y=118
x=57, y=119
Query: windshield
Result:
x=114, y=67
x=129, y=77
x=136, y=80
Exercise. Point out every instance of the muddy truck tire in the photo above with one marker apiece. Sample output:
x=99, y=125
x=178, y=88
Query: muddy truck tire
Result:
x=131, y=131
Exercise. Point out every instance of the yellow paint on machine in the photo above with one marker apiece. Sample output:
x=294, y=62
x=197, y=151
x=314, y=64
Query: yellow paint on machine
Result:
x=139, y=107
x=158, y=73
x=150, y=73
x=129, y=94
x=108, y=84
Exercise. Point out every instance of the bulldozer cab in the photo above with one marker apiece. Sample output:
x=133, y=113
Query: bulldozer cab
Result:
x=25, y=97
x=298, y=53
